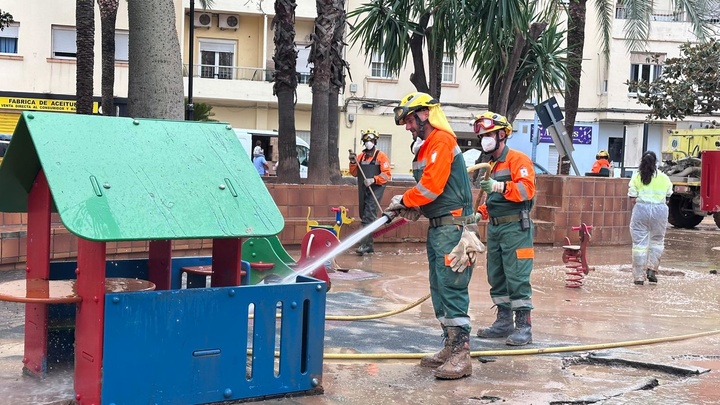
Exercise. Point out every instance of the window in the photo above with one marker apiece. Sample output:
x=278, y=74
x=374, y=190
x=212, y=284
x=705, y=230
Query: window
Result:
x=645, y=72
x=303, y=67
x=217, y=59
x=448, y=70
x=384, y=144
x=378, y=67
x=64, y=44
x=121, y=46
x=9, y=39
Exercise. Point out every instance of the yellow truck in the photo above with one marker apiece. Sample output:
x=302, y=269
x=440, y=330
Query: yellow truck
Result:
x=692, y=155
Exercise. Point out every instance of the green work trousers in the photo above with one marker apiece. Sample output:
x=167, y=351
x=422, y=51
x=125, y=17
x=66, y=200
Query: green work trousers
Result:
x=509, y=264
x=448, y=289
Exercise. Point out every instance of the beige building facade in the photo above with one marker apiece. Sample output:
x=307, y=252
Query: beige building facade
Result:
x=232, y=63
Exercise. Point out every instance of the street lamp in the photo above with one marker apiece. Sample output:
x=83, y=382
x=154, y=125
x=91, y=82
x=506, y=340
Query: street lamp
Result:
x=190, y=109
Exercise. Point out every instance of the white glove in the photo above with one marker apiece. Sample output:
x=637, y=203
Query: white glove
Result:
x=465, y=253
x=396, y=204
x=369, y=182
x=492, y=186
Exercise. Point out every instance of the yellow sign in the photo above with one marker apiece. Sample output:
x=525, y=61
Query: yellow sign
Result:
x=40, y=104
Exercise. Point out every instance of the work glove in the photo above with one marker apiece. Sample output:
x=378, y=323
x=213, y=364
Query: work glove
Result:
x=396, y=204
x=465, y=253
x=352, y=157
x=369, y=182
x=411, y=214
x=482, y=210
x=492, y=186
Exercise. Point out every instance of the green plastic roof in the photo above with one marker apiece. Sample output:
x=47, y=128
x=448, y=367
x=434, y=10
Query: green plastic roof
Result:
x=117, y=178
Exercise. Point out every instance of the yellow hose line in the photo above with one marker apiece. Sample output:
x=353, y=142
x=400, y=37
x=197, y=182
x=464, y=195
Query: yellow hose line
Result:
x=518, y=352
x=375, y=316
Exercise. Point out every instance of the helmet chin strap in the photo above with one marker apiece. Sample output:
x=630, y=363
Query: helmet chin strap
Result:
x=421, y=126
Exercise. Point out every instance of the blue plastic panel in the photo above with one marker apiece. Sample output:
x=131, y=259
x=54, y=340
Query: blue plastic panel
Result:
x=190, y=346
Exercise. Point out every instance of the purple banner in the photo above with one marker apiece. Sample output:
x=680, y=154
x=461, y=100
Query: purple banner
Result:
x=581, y=136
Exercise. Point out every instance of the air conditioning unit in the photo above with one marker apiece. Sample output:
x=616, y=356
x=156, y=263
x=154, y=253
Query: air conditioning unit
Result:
x=228, y=21
x=203, y=20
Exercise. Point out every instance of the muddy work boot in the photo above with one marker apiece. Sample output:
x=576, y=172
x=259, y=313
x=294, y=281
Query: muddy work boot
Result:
x=501, y=328
x=522, y=334
x=458, y=364
x=651, y=276
x=436, y=360
x=366, y=246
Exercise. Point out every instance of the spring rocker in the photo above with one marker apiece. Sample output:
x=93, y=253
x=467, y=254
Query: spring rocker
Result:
x=576, y=255
x=114, y=179
x=341, y=218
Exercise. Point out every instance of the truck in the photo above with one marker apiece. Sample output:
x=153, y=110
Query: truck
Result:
x=248, y=138
x=691, y=156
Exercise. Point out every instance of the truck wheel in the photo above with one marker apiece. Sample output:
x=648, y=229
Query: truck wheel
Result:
x=716, y=217
x=680, y=216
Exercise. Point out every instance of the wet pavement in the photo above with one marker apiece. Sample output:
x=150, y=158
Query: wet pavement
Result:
x=606, y=326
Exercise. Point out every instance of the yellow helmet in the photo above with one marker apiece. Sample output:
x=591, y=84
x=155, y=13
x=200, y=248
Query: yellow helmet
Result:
x=489, y=122
x=411, y=103
x=603, y=154
x=369, y=135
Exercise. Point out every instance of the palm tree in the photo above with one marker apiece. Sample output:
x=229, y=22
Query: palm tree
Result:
x=5, y=19
x=108, y=16
x=391, y=28
x=85, y=56
x=320, y=56
x=337, y=82
x=155, y=85
x=285, y=88
x=516, y=56
x=636, y=29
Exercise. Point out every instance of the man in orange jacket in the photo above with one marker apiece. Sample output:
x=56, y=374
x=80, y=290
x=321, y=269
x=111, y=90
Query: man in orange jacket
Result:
x=510, y=195
x=442, y=194
x=372, y=168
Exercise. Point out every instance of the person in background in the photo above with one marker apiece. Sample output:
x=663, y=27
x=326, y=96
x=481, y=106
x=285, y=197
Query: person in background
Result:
x=649, y=191
x=510, y=196
x=375, y=167
x=258, y=150
x=602, y=161
x=442, y=194
x=261, y=165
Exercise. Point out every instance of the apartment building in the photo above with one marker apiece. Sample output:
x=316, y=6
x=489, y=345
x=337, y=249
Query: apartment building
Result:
x=232, y=48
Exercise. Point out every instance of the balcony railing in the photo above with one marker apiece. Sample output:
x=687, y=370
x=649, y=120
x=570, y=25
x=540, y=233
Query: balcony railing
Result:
x=237, y=73
x=621, y=13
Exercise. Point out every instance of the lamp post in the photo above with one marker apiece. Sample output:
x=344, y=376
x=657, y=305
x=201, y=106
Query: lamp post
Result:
x=190, y=109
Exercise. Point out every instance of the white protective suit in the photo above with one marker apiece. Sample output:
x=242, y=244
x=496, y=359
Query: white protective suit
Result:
x=648, y=222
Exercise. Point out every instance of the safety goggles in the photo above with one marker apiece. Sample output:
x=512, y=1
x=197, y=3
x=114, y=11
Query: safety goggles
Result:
x=486, y=124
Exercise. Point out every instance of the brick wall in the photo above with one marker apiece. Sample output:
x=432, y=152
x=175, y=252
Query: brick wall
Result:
x=562, y=202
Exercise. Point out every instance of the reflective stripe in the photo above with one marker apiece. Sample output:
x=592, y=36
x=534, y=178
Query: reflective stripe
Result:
x=455, y=321
x=505, y=299
x=525, y=253
x=457, y=151
x=502, y=173
x=426, y=193
x=523, y=191
x=384, y=176
x=419, y=165
x=523, y=303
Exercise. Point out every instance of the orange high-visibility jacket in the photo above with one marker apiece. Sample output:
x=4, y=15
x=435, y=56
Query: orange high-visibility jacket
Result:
x=516, y=170
x=381, y=160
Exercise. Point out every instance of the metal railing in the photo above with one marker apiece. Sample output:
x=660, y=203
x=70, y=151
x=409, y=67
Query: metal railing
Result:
x=237, y=73
x=621, y=13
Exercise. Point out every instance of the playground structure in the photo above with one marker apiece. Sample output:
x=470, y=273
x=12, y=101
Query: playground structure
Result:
x=131, y=324
x=341, y=218
x=576, y=255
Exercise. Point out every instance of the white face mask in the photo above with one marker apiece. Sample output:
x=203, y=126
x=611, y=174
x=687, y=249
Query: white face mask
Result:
x=369, y=145
x=488, y=143
x=416, y=145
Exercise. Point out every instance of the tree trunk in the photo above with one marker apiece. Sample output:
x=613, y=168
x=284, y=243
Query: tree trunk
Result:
x=417, y=77
x=155, y=83
x=108, y=16
x=435, y=60
x=320, y=57
x=576, y=45
x=85, y=56
x=337, y=82
x=285, y=88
